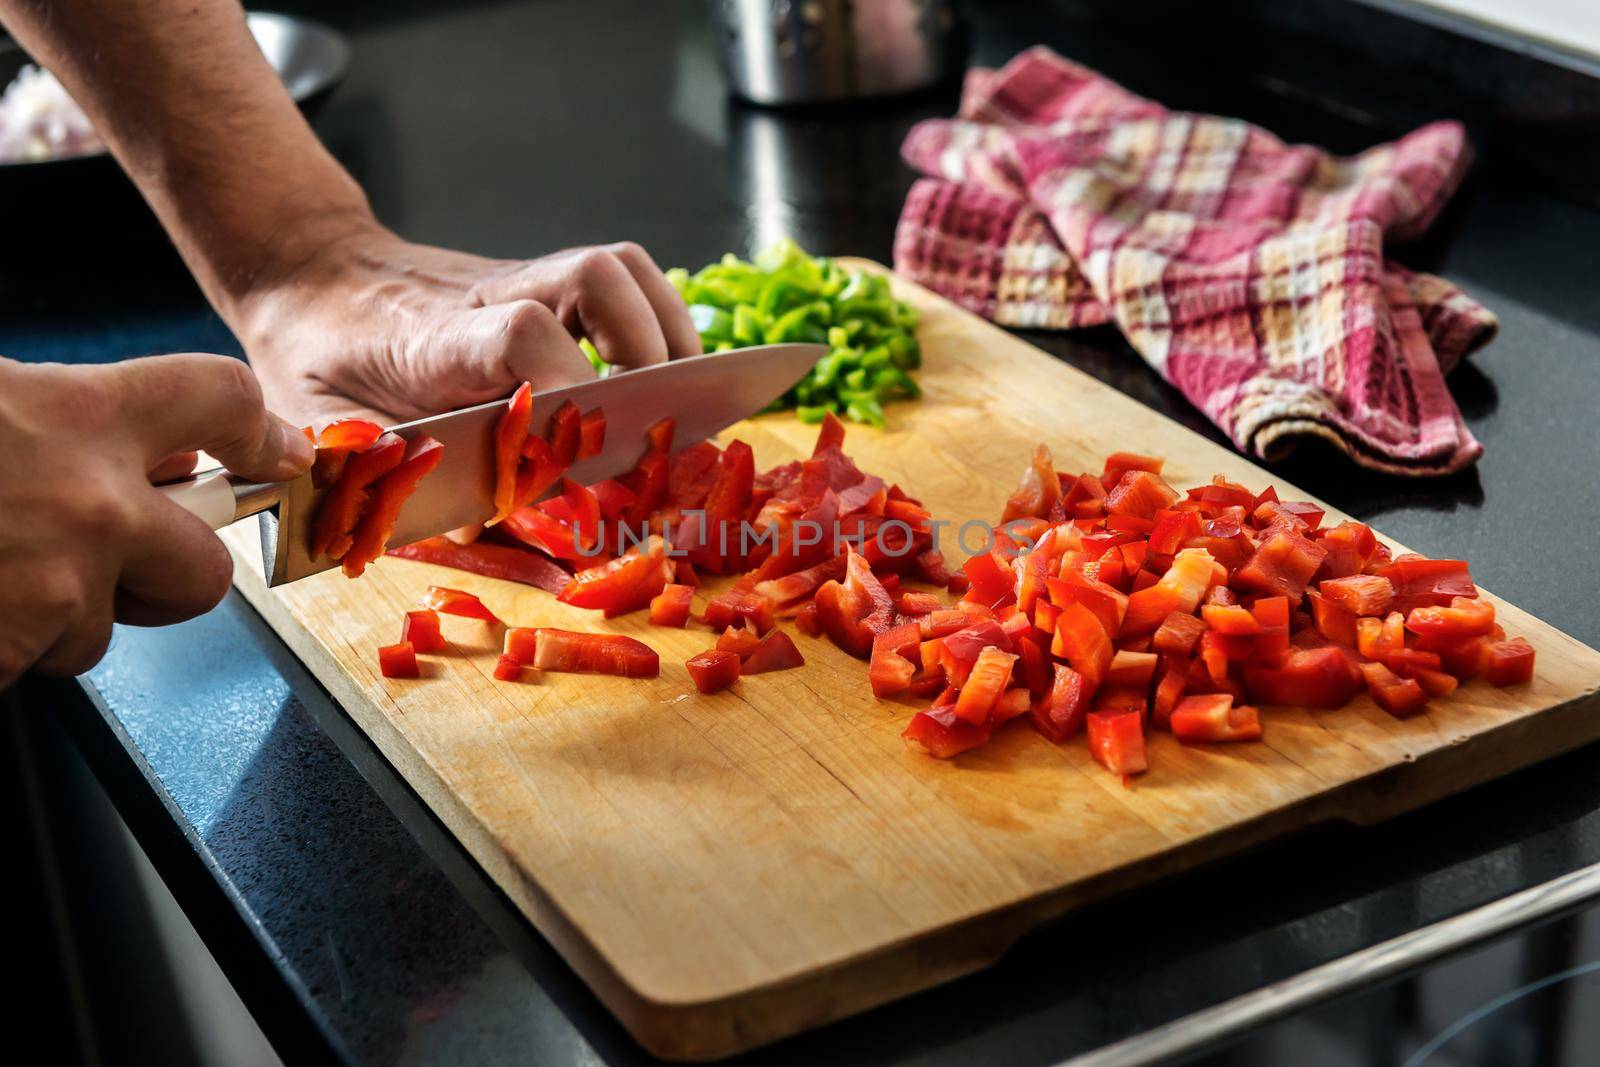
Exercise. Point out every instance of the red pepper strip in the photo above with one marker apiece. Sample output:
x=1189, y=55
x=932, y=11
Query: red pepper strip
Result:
x=489, y=560
x=335, y=442
x=591, y=433
x=586, y=513
x=550, y=536
x=1116, y=740
x=457, y=602
x=398, y=661
x=509, y=435
x=564, y=650
x=726, y=508
x=421, y=629
x=1464, y=618
x=566, y=431
x=713, y=670
x=389, y=494
x=341, y=506
x=627, y=583
x=989, y=677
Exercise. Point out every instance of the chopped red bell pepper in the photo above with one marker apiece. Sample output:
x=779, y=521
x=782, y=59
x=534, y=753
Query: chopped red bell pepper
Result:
x=508, y=669
x=1362, y=594
x=1109, y=605
x=591, y=433
x=1083, y=643
x=1060, y=712
x=1377, y=639
x=895, y=659
x=1119, y=463
x=713, y=670
x=671, y=606
x=585, y=514
x=340, y=509
x=1178, y=633
x=854, y=612
x=1230, y=619
x=509, y=435
x=1131, y=670
x=1400, y=697
x=1508, y=662
x=991, y=579
x=549, y=535
x=1116, y=740
x=1420, y=582
x=1039, y=491
x=1213, y=717
x=449, y=601
x=1179, y=589
x=421, y=631
x=1282, y=566
x=1169, y=691
x=388, y=495
x=989, y=677
x=566, y=431
x=940, y=733
x=1332, y=621
x=736, y=605
x=1465, y=617
x=334, y=444
x=1272, y=613
x=565, y=650
x=774, y=652
x=1141, y=494
x=398, y=661
x=1308, y=678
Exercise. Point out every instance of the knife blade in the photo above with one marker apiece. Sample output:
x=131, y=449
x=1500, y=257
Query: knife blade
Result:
x=703, y=394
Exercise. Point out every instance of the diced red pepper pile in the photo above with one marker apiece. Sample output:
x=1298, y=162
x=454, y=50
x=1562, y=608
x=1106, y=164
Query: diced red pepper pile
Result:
x=1110, y=604
x=1114, y=604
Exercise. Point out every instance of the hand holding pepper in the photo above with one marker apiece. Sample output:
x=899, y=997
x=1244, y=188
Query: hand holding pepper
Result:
x=85, y=538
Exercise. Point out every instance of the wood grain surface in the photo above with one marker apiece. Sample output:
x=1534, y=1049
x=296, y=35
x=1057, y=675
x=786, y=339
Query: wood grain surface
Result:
x=725, y=870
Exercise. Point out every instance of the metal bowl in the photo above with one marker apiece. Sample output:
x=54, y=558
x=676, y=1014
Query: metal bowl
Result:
x=785, y=52
x=310, y=58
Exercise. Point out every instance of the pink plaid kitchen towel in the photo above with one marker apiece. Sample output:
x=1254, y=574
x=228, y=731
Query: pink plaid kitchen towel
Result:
x=1248, y=272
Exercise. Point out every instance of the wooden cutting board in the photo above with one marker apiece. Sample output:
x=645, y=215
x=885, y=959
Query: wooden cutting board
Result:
x=726, y=870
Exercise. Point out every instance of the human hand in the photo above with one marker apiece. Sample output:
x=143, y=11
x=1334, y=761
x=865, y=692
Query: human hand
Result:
x=86, y=539
x=372, y=325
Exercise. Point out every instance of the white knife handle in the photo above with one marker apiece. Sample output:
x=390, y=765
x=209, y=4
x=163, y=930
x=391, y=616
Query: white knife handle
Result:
x=209, y=497
x=217, y=498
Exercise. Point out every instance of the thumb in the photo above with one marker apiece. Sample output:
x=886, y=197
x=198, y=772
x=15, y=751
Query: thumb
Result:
x=194, y=402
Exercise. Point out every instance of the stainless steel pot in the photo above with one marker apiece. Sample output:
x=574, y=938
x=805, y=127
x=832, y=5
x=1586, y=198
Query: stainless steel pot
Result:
x=805, y=51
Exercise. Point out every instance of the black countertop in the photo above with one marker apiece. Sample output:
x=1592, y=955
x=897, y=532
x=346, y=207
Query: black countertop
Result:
x=353, y=924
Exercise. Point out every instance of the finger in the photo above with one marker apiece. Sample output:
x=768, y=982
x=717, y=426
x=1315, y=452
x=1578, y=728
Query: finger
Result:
x=23, y=640
x=174, y=466
x=174, y=567
x=672, y=314
x=70, y=609
x=594, y=296
x=175, y=403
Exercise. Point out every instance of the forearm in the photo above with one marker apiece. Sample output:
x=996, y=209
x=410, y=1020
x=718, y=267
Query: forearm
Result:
x=199, y=120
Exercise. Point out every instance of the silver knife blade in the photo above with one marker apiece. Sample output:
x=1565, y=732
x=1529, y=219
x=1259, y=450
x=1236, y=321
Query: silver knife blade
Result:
x=704, y=394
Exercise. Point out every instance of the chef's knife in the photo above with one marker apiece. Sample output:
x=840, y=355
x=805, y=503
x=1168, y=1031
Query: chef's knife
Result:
x=703, y=394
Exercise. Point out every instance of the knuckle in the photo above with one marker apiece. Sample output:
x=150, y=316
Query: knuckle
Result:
x=629, y=252
x=59, y=593
x=527, y=320
x=599, y=266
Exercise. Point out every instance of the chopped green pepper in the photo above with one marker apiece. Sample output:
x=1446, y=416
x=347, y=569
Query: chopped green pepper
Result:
x=786, y=295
